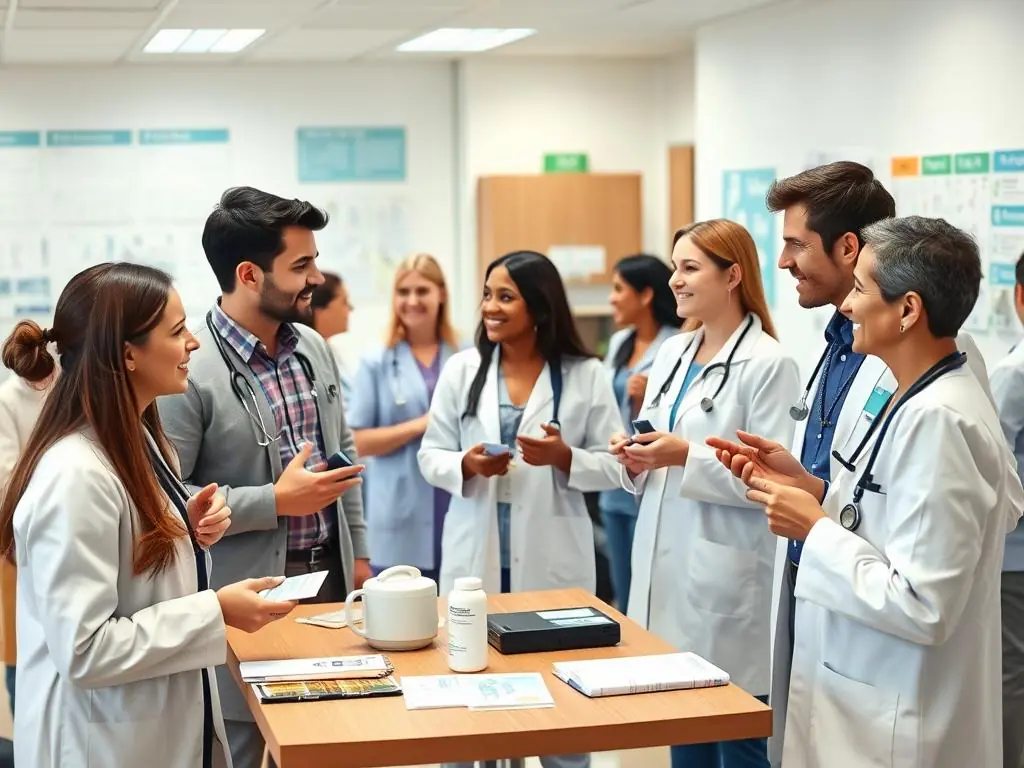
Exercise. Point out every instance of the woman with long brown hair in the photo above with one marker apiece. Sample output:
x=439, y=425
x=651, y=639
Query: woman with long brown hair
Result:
x=391, y=396
x=117, y=627
x=702, y=557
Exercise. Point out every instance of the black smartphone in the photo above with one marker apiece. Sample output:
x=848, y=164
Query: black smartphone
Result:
x=339, y=460
x=643, y=426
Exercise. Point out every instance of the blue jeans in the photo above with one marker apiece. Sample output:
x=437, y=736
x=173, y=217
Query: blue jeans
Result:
x=745, y=753
x=619, y=527
x=9, y=673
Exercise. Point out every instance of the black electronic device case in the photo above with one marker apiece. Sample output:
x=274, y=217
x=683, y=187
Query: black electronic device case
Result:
x=562, y=629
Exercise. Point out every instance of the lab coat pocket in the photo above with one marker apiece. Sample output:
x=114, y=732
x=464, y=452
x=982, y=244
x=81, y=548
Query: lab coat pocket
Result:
x=723, y=579
x=849, y=717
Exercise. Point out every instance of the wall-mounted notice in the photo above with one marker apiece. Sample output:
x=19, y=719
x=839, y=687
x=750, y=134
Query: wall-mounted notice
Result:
x=187, y=170
x=983, y=194
x=340, y=154
x=743, y=193
x=1007, y=242
x=578, y=262
x=20, y=178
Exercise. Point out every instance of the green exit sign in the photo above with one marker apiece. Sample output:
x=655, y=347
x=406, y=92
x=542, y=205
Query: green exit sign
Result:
x=566, y=162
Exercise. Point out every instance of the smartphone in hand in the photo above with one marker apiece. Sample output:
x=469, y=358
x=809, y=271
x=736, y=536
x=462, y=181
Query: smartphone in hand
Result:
x=338, y=460
x=643, y=426
x=496, y=449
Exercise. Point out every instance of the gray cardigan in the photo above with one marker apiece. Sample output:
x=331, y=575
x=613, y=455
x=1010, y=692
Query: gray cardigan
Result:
x=217, y=443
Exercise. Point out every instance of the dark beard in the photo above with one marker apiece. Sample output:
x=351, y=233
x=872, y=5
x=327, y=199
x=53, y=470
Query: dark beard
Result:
x=281, y=306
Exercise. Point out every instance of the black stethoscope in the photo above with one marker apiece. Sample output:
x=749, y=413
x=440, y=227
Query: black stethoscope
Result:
x=799, y=410
x=263, y=438
x=707, y=404
x=396, y=380
x=849, y=516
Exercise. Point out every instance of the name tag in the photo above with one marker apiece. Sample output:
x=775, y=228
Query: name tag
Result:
x=876, y=402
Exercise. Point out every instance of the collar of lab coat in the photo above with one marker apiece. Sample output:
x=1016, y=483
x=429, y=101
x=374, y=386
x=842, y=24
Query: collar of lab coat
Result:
x=541, y=396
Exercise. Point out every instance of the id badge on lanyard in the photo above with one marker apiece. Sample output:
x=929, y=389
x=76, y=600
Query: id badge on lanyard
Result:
x=505, y=486
x=875, y=402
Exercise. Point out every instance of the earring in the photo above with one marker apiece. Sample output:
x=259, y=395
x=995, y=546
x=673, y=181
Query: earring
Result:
x=903, y=328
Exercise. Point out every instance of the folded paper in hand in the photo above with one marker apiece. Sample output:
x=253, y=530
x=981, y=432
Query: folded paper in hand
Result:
x=640, y=674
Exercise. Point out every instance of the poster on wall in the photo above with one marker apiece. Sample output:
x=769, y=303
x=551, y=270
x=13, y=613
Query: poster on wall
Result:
x=1007, y=239
x=743, y=193
x=344, y=154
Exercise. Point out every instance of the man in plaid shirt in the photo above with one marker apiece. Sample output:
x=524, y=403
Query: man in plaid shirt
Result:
x=262, y=414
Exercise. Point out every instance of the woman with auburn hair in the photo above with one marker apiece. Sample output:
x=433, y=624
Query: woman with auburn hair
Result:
x=117, y=627
x=391, y=396
x=702, y=556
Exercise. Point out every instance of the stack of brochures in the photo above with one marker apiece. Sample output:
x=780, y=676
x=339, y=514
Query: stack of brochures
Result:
x=324, y=678
x=520, y=690
x=640, y=674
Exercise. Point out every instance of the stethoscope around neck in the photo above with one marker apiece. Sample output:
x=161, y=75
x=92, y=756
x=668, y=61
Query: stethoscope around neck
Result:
x=849, y=515
x=707, y=404
x=248, y=394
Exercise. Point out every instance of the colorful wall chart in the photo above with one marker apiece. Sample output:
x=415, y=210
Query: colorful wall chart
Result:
x=743, y=193
x=983, y=194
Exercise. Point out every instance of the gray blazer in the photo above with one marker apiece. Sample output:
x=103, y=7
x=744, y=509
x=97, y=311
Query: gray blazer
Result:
x=217, y=443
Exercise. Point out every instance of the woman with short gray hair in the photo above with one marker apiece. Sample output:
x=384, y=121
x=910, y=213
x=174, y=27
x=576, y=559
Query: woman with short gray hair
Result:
x=897, y=637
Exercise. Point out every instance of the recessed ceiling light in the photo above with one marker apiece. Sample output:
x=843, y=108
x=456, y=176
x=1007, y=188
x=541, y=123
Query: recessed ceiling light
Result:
x=451, y=39
x=202, y=40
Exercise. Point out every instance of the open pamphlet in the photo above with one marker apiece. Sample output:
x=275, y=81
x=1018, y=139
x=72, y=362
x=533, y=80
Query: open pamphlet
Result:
x=518, y=690
x=321, y=690
x=640, y=674
x=332, y=668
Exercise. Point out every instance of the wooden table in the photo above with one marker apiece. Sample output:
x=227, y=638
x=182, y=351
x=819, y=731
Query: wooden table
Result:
x=366, y=733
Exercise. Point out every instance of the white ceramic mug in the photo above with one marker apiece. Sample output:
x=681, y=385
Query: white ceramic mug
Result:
x=399, y=610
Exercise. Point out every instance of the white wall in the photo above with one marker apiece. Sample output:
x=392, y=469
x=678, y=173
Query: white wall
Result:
x=867, y=77
x=488, y=115
x=262, y=107
x=615, y=110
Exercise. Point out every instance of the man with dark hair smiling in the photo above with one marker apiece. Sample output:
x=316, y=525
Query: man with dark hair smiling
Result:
x=261, y=414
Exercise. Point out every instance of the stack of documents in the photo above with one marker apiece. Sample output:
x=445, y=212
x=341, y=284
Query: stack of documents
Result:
x=524, y=690
x=640, y=674
x=332, y=668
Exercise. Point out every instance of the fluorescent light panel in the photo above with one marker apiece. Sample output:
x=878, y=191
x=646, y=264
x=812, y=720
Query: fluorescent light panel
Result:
x=452, y=39
x=202, y=40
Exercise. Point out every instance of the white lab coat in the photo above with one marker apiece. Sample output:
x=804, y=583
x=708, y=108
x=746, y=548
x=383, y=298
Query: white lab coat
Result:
x=109, y=663
x=852, y=423
x=702, y=554
x=551, y=535
x=898, y=656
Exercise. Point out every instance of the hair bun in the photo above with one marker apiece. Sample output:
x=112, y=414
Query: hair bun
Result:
x=25, y=352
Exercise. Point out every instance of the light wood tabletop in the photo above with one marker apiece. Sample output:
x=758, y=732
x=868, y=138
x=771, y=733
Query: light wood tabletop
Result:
x=367, y=733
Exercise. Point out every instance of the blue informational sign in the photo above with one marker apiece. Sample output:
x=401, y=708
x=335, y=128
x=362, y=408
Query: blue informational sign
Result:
x=20, y=138
x=183, y=136
x=743, y=193
x=1008, y=215
x=1009, y=161
x=1004, y=275
x=88, y=138
x=351, y=154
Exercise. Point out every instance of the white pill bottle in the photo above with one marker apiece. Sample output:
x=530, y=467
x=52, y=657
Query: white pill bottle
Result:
x=467, y=626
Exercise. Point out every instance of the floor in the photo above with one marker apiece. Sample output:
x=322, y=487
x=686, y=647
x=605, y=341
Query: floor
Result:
x=638, y=758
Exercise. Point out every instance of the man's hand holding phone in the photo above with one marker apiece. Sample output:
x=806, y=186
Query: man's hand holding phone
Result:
x=300, y=491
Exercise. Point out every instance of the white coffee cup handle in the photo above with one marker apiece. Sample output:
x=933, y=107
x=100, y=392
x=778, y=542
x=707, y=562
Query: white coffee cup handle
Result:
x=348, y=612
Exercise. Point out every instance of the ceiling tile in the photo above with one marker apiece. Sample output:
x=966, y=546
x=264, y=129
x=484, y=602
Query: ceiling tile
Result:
x=221, y=16
x=85, y=5
x=59, y=46
x=324, y=45
x=27, y=19
x=427, y=14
